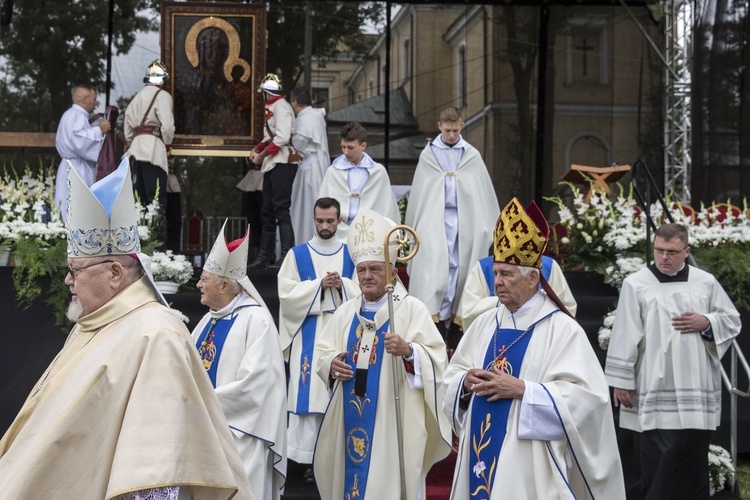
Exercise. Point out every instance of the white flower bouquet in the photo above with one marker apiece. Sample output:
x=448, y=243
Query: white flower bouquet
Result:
x=167, y=266
x=720, y=468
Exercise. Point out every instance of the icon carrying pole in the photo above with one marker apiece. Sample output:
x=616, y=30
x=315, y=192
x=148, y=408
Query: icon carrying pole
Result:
x=403, y=244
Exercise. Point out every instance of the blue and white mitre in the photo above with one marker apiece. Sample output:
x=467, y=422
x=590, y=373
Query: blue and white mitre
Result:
x=366, y=238
x=229, y=260
x=102, y=220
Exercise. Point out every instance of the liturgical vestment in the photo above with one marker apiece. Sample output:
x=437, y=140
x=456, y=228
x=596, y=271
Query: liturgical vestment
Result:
x=582, y=461
x=426, y=431
x=129, y=394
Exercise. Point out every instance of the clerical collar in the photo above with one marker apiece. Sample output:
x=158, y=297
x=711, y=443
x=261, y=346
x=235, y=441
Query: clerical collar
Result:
x=373, y=306
x=341, y=163
x=229, y=308
x=439, y=142
x=326, y=247
x=680, y=276
x=529, y=305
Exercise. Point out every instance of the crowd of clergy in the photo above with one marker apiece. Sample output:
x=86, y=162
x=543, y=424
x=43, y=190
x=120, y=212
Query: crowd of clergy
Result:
x=471, y=346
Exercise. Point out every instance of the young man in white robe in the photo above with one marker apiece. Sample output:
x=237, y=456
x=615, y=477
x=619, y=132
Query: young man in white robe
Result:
x=357, y=182
x=314, y=280
x=311, y=143
x=125, y=410
x=673, y=324
x=357, y=451
x=239, y=345
x=479, y=290
x=454, y=206
x=524, y=390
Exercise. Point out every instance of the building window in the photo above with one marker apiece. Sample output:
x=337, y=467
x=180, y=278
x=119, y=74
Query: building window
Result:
x=371, y=89
x=406, y=60
x=321, y=97
x=461, y=83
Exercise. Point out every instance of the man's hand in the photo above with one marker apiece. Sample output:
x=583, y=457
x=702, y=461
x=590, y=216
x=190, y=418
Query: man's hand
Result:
x=257, y=158
x=340, y=369
x=690, y=322
x=624, y=397
x=105, y=126
x=396, y=345
x=332, y=280
x=495, y=384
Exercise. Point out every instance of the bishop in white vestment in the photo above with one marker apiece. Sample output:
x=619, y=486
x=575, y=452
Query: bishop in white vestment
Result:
x=357, y=454
x=524, y=389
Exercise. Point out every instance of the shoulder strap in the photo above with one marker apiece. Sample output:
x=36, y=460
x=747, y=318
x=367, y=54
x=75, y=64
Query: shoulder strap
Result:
x=151, y=104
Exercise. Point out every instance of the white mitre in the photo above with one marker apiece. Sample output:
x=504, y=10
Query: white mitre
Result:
x=232, y=264
x=366, y=238
x=102, y=220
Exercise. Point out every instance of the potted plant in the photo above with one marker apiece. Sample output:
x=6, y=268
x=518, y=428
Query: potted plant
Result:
x=170, y=271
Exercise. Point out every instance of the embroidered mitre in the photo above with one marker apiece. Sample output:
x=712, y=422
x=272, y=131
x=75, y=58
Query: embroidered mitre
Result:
x=228, y=259
x=102, y=220
x=366, y=238
x=521, y=235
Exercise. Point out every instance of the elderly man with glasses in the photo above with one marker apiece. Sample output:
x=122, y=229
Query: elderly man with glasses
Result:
x=673, y=324
x=239, y=345
x=123, y=412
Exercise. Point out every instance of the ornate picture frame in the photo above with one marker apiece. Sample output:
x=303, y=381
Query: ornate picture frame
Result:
x=215, y=55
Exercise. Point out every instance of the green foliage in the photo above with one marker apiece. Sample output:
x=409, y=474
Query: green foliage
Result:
x=36, y=260
x=51, y=46
x=730, y=264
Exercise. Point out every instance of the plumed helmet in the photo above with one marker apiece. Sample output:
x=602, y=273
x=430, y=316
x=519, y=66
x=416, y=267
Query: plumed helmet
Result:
x=271, y=84
x=156, y=73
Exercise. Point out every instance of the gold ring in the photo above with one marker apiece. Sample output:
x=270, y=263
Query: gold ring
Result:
x=335, y=374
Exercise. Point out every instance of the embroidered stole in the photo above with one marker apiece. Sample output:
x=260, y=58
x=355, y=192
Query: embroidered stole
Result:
x=359, y=411
x=211, y=341
x=306, y=271
x=489, y=420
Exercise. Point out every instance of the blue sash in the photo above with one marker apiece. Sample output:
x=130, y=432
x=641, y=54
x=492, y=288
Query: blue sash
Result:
x=489, y=276
x=211, y=341
x=306, y=271
x=489, y=420
x=359, y=412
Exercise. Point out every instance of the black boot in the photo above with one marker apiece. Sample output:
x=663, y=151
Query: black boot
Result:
x=266, y=251
x=286, y=241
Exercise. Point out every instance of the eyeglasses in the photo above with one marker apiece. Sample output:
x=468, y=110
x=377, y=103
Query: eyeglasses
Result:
x=75, y=271
x=203, y=278
x=668, y=253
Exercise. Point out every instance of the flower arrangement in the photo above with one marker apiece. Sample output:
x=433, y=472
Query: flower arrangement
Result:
x=167, y=266
x=32, y=230
x=720, y=467
x=607, y=234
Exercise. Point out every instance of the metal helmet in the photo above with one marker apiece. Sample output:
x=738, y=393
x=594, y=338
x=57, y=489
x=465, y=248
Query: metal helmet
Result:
x=271, y=84
x=156, y=73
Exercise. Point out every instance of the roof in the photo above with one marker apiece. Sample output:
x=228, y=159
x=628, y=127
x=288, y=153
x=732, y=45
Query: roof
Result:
x=406, y=149
x=372, y=111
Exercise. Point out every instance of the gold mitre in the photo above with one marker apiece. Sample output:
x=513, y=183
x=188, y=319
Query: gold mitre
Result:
x=366, y=238
x=521, y=235
x=228, y=259
x=102, y=220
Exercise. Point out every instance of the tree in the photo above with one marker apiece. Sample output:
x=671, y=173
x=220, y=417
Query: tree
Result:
x=51, y=46
x=335, y=25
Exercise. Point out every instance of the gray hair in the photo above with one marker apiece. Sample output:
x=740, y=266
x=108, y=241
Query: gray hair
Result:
x=526, y=270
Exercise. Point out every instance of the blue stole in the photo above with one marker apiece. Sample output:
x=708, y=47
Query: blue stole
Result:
x=489, y=420
x=489, y=276
x=306, y=271
x=359, y=412
x=211, y=341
